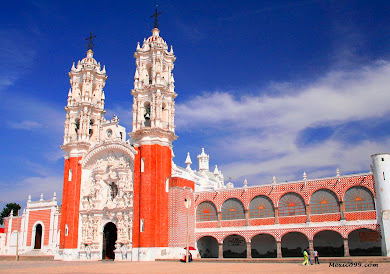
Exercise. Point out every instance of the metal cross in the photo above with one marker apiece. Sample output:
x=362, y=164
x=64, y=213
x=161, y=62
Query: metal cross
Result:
x=155, y=15
x=90, y=44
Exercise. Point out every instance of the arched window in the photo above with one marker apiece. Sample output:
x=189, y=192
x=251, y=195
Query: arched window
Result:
x=324, y=201
x=261, y=207
x=114, y=190
x=90, y=130
x=206, y=212
x=291, y=204
x=358, y=198
x=232, y=209
x=147, y=114
x=77, y=124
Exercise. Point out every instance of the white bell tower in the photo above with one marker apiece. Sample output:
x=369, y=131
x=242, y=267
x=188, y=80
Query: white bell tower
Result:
x=154, y=92
x=85, y=105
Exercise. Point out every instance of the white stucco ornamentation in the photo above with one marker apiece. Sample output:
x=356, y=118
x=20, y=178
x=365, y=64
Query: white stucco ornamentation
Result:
x=154, y=93
x=85, y=106
x=106, y=196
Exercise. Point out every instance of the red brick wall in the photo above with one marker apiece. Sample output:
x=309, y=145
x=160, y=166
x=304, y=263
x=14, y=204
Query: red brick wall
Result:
x=292, y=219
x=180, y=182
x=70, y=203
x=44, y=217
x=178, y=217
x=339, y=185
x=150, y=196
x=263, y=221
x=232, y=223
x=360, y=215
x=207, y=224
x=333, y=217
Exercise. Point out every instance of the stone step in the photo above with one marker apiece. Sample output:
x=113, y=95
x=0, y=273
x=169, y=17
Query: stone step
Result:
x=367, y=259
x=26, y=258
x=34, y=252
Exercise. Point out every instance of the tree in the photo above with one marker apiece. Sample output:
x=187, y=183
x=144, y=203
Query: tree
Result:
x=7, y=210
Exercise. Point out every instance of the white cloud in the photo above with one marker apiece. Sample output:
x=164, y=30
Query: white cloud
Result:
x=33, y=114
x=258, y=132
x=25, y=125
x=34, y=186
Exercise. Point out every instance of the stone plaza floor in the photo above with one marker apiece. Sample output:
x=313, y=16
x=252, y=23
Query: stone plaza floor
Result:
x=46, y=267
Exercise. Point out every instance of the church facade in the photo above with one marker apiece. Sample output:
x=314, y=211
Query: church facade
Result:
x=126, y=199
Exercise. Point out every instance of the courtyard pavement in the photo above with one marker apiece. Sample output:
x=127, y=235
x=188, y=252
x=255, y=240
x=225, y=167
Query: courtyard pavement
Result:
x=46, y=267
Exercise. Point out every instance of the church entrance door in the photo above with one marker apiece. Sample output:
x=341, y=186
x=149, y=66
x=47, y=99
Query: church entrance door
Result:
x=109, y=239
x=38, y=236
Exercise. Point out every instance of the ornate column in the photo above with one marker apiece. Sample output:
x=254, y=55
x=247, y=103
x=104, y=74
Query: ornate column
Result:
x=246, y=212
x=307, y=213
x=346, y=248
x=219, y=215
x=276, y=215
x=220, y=250
x=248, y=250
x=342, y=217
x=278, y=249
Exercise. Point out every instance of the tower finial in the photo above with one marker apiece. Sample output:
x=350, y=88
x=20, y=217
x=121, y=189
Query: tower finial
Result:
x=90, y=44
x=155, y=15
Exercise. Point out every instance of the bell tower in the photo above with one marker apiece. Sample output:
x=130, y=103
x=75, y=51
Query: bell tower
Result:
x=83, y=129
x=153, y=133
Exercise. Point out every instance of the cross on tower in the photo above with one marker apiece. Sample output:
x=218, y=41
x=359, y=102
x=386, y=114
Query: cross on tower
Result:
x=155, y=15
x=90, y=44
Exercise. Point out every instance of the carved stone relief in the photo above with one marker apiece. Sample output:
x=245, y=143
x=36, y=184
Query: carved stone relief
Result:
x=107, y=196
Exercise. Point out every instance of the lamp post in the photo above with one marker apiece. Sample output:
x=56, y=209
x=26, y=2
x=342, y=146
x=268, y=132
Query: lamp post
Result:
x=187, y=203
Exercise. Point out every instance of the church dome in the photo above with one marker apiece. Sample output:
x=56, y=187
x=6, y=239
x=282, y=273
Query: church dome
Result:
x=89, y=61
x=155, y=39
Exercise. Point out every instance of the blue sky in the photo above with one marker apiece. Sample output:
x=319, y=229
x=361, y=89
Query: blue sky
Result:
x=268, y=88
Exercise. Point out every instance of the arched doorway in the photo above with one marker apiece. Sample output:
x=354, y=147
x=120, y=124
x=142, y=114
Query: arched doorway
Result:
x=109, y=239
x=234, y=246
x=364, y=242
x=38, y=237
x=263, y=246
x=329, y=244
x=208, y=247
x=293, y=244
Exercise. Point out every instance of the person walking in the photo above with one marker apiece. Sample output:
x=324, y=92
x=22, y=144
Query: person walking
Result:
x=316, y=257
x=308, y=254
x=305, y=256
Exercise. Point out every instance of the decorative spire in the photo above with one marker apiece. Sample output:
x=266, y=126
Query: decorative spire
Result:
x=188, y=161
x=90, y=44
x=29, y=199
x=41, y=197
x=155, y=15
x=304, y=176
x=138, y=46
x=338, y=172
x=216, y=171
x=203, y=160
x=245, y=183
x=54, y=196
x=274, y=180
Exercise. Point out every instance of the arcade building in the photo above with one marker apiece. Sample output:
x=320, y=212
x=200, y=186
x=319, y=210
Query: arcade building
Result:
x=124, y=198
